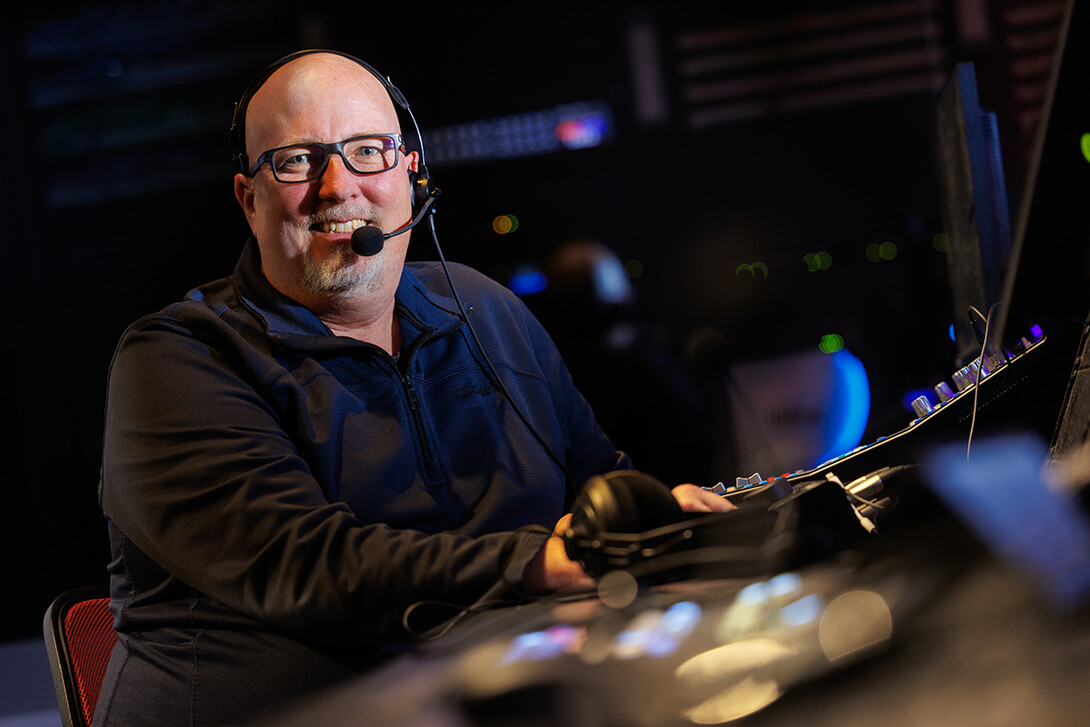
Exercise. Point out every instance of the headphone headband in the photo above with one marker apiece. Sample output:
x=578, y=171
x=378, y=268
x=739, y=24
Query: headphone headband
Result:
x=237, y=131
x=421, y=183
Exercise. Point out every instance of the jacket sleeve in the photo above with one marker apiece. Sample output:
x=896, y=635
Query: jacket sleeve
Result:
x=200, y=476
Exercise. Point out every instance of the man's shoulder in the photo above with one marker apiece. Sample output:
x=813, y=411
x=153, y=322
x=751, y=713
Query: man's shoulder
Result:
x=431, y=276
x=211, y=306
x=473, y=286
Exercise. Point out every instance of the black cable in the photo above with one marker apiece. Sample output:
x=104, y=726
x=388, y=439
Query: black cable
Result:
x=461, y=613
x=570, y=483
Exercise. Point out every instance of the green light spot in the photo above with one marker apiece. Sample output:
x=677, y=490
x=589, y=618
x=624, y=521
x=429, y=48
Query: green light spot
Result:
x=633, y=269
x=752, y=269
x=817, y=261
x=873, y=253
x=831, y=343
x=887, y=250
x=1084, y=142
x=941, y=242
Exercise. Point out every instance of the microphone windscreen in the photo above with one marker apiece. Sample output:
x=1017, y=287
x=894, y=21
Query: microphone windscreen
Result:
x=367, y=241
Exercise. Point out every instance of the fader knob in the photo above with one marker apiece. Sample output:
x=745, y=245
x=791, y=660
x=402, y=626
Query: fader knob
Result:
x=922, y=406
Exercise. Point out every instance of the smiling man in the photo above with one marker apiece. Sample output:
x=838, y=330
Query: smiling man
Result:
x=303, y=229
x=303, y=456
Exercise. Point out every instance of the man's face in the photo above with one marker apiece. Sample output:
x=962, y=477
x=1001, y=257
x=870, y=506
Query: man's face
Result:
x=304, y=230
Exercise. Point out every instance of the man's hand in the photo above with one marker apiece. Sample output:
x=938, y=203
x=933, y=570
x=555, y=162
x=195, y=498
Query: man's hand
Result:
x=552, y=569
x=697, y=499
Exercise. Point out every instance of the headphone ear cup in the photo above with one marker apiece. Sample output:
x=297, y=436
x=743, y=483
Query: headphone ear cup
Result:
x=610, y=510
x=624, y=501
x=420, y=188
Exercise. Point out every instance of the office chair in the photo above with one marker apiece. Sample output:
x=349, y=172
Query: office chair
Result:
x=79, y=635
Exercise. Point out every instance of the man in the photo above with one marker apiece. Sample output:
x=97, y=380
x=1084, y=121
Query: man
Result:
x=297, y=455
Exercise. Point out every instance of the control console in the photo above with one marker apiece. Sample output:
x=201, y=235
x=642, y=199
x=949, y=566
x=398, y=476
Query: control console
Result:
x=976, y=389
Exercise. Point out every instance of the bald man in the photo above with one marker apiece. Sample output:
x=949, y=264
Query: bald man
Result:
x=300, y=454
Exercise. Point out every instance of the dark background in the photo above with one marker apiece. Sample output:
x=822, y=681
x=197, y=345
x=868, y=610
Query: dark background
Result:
x=746, y=135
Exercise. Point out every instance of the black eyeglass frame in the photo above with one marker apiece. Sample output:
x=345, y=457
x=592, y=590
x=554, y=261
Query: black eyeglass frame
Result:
x=329, y=150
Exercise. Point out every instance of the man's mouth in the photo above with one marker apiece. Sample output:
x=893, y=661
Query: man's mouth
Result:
x=338, y=227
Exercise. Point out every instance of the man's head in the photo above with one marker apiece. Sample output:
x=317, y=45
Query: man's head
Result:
x=304, y=228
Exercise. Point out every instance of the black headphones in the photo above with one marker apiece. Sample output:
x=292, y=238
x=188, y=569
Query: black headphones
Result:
x=420, y=181
x=612, y=516
x=628, y=520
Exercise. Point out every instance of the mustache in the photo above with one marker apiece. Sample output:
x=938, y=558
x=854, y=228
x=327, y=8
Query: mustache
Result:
x=340, y=213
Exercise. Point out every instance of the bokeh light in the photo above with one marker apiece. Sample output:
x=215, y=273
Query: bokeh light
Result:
x=505, y=224
x=816, y=261
x=879, y=252
x=753, y=269
x=831, y=343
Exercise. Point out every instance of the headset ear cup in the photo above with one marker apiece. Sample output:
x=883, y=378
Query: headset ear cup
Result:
x=624, y=501
x=616, y=505
x=420, y=188
x=647, y=503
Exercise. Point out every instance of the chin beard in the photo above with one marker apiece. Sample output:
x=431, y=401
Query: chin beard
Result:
x=338, y=275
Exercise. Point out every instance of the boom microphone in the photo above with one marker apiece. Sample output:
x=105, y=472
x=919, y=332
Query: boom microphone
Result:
x=369, y=240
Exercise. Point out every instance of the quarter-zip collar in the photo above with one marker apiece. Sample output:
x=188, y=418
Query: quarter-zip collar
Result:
x=295, y=326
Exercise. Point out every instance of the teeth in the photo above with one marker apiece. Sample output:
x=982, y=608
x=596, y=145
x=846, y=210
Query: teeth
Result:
x=349, y=226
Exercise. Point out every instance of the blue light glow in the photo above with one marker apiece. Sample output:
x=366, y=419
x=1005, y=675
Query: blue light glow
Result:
x=528, y=282
x=581, y=133
x=849, y=406
x=911, y=396
x=681, y=617
x=582, y=126
x=806, y=610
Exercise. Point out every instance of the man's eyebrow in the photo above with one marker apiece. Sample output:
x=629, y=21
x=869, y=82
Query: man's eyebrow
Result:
x=307, y=141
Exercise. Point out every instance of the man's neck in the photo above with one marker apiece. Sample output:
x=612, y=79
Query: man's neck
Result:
x=384, y=333
x=366, y=315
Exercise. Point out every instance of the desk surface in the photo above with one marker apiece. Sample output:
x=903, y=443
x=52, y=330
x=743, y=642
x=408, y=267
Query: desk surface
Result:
x=930, y=631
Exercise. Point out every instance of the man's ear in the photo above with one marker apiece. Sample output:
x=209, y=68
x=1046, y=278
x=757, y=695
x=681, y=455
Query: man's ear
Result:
x=244, y=193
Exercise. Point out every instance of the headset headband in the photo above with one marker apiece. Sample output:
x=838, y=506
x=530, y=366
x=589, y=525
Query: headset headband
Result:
x=238, y=121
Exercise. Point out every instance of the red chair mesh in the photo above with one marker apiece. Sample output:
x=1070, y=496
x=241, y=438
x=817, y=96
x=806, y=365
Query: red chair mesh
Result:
x=89, y=634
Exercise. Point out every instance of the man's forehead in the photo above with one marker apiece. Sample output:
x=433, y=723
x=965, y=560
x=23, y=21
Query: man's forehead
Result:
x=317, y=84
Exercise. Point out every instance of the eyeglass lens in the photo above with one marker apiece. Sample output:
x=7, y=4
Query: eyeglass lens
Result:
x=306, y=162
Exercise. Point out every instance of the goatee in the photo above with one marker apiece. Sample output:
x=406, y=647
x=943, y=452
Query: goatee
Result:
x=338, y=275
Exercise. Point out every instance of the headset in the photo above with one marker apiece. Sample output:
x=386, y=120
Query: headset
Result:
x=420, y=180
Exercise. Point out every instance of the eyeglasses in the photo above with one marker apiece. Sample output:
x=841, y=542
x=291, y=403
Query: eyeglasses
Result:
x=369, y=154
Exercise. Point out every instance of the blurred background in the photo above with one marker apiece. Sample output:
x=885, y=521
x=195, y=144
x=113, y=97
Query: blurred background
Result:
x=728, y=214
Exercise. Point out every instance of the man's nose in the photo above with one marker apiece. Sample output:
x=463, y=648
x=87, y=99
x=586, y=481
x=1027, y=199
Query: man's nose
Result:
x=337, y=180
